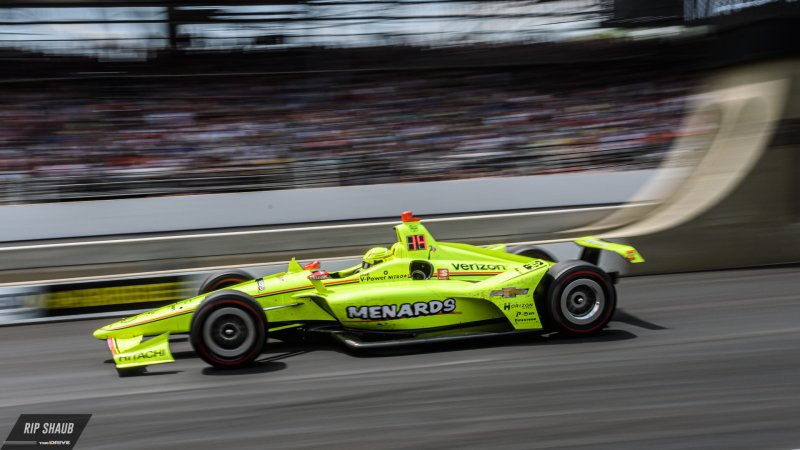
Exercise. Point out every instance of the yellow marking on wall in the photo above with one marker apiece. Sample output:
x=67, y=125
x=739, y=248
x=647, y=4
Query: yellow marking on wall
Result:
x=117, y=295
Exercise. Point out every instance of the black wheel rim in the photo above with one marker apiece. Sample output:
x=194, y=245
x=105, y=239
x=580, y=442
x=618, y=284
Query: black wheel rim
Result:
x=229, y=332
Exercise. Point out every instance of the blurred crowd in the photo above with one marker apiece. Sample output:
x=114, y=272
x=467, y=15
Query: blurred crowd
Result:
x=138, y=136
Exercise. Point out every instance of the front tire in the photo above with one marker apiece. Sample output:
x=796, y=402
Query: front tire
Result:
x=580, y=298
x=223, y=279
x=229, y=329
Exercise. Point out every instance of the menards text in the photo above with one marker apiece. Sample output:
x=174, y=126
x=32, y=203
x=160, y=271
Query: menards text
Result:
x=379, y=312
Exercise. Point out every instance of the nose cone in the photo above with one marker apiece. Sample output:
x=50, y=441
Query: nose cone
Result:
x=101, y=333
x=107, y=331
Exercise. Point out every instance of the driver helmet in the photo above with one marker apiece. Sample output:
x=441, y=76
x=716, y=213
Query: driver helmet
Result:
x=375, y=256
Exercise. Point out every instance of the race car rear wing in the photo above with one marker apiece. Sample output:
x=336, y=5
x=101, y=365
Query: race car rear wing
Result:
x=592, y=247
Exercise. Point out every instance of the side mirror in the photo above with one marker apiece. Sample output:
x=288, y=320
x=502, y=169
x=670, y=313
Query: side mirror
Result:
x=319, y=276
x=313, y=265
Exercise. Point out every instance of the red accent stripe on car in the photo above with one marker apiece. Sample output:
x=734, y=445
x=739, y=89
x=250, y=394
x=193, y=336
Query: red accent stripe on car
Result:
x=155, y=319
x=464, y=274
x=302, y=288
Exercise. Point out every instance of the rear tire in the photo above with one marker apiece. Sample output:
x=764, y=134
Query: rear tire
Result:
x=532, y=251
x=229, y=329
x=222, y=280
x=579, y=298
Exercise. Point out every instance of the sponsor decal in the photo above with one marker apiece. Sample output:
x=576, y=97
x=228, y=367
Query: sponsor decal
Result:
x=526, y=320
x=508, y=292
x=142, y=355
x=383, y=277
x=402, y=311
x=443, y=274
x=508, y=306
x=59, y=431
x=534, y=265
x=261, y=285
x=478, y=266
x=525, y=317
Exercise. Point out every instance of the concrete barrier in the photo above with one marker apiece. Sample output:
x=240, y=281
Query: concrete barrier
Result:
x=303, y=206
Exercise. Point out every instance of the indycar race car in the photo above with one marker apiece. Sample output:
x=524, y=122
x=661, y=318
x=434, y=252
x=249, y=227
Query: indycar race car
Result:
x=419, y=290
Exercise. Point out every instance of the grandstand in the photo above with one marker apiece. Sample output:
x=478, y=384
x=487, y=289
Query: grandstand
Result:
x=143, y=98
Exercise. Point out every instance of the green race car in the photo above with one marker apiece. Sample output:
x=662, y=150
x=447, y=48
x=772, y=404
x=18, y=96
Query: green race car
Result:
x=418, y=290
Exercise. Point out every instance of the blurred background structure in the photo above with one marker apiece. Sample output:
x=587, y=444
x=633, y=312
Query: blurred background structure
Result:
x=270, y=106
x=145, y=98
x=138, y=98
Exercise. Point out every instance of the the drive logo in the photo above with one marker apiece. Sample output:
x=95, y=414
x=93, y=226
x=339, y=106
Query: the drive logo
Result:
x=402, y=311
x=59, y=431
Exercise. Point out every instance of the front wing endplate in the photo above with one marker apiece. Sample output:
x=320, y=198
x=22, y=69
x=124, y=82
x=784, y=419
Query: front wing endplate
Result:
x=131, y=352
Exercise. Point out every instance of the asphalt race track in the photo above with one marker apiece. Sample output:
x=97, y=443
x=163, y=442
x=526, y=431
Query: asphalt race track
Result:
x=691, y=361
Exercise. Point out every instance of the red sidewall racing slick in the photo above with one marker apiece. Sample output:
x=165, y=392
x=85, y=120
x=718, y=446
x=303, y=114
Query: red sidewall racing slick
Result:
x=580, y=298
x=229, y=329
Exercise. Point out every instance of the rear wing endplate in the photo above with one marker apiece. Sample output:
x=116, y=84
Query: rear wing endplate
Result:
x=592, y=247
